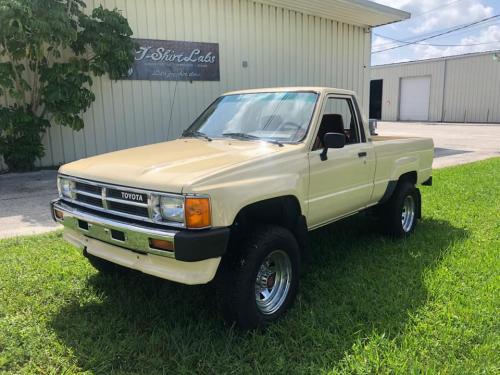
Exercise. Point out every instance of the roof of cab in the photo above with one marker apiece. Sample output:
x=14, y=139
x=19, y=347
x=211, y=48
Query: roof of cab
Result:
x=319, y=90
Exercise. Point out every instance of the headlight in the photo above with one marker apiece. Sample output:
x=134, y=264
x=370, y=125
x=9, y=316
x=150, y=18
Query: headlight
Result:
x=194, y=212
x=172, y=208
x=65, y=187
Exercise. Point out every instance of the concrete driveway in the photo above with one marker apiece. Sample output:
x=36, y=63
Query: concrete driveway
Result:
x=24, y=203
x=455, y=143
x=24, y=198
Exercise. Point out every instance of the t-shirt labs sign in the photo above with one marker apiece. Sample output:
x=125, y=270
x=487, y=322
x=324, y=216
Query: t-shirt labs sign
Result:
x=167, y=60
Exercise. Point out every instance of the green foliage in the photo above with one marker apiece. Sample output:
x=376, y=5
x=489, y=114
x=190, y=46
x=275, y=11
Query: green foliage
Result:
x=20, y=142
x=367, y=304
x=49, y=49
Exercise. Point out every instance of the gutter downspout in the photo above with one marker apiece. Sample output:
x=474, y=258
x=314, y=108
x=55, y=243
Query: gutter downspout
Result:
x=445, y=78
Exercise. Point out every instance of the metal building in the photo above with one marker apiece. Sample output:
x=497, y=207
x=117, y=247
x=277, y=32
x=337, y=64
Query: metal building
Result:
x=463, y=88
x=260, y=43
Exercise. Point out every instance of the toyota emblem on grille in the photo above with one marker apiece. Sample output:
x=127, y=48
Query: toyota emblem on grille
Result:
x=132, y=197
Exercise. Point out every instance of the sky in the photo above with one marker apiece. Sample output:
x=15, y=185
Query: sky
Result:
x=433, y=16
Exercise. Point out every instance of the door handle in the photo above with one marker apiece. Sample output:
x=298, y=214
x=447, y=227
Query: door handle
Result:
x=362, y=154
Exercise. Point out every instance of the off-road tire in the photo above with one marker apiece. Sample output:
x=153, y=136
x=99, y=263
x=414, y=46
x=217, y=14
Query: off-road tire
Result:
x=392, y=213
x=236, y=281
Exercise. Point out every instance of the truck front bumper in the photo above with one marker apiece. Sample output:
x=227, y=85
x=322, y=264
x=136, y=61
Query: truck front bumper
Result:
x=189, y=257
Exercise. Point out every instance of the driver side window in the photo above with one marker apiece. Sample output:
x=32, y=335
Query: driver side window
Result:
x=338, y=117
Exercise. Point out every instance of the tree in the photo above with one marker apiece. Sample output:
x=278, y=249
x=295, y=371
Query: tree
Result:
x=49, y=52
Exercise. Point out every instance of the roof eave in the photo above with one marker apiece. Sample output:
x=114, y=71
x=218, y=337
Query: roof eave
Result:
x=362, y=13
x=395, y=15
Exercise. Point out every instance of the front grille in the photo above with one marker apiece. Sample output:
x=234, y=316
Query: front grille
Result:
x=88, y=188
x=89, y=200
x=129, y=203
x=128, y=209
x=125, y=196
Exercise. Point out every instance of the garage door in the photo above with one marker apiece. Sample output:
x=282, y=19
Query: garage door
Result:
x=414, y=99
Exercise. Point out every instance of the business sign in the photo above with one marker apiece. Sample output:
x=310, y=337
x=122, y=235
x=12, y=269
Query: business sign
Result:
x=168, y=60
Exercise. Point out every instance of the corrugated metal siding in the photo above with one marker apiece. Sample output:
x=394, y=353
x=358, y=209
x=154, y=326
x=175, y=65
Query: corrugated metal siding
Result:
x=472, y=90
x=463, y=89
x=392, y=78
x=282, y=47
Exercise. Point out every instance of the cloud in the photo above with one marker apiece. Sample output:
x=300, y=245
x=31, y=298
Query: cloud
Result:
x=439, y=15
x=461, y=13
x=386, y=58
x=430, y=17
x=491, y=36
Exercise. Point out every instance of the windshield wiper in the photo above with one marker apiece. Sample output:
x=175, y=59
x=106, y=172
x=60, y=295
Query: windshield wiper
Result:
x=252, y=138
x=196, y=134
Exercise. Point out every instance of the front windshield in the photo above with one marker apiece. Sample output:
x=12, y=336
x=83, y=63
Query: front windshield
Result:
x=275, y=116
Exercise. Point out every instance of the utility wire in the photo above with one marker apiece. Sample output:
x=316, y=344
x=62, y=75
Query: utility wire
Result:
x=439, y=45
x=443, y=33
x=433, y=10
x=410, y=39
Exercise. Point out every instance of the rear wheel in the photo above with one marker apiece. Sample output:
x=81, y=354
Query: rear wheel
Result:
x=259, y=283
x=400, y=214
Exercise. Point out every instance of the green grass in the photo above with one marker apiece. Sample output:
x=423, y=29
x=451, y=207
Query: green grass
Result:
x=367, y=304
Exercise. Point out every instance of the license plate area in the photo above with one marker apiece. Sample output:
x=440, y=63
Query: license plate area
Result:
x=109, y=235
x=118, y=235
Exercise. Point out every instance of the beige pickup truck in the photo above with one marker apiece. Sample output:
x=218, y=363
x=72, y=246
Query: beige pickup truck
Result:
x=234, y=198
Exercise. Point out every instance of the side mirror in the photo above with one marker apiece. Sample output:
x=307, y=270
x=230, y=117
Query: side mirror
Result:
x=332, y=140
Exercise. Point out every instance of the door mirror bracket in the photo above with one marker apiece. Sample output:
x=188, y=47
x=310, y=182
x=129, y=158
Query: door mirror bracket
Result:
x=332, y=140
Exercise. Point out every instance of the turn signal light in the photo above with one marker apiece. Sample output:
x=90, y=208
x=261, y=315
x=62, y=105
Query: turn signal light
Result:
x=161, y=244
x=198, y=213
x=59, y=214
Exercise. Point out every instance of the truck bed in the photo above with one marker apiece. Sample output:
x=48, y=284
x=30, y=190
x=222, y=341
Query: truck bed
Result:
x=396, y=155
x=381, y=138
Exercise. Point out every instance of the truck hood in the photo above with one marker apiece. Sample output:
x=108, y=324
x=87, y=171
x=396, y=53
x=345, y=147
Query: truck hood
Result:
x=168, y=166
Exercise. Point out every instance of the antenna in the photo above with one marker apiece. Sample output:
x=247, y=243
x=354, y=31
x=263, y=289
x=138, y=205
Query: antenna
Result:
x=171, y=110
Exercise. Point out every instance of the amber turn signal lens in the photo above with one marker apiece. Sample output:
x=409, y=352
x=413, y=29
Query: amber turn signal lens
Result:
x=161, y=244
x=59, y=214
x=198, y=213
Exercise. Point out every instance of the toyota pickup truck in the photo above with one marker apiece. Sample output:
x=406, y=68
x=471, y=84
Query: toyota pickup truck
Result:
x=233, y=199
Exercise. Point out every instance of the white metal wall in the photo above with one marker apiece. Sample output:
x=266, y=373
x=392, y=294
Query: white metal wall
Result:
x=463, y=88
x=282, y=47
x=472, y=90
x=392, y=75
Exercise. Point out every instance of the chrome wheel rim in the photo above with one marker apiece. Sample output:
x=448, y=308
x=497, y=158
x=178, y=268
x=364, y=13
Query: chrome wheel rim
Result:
x=273, y=282
x=408, y=213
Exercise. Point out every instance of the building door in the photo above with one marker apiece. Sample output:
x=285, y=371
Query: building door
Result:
x=376, y=89
x=414, y=99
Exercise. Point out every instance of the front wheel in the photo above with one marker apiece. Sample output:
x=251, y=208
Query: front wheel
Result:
x=259, y=284
x=401, y=213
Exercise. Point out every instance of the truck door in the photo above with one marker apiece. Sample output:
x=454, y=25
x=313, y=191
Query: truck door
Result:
x=343, y=183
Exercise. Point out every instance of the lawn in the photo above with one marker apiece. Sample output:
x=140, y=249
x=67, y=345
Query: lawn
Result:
x=367, y=304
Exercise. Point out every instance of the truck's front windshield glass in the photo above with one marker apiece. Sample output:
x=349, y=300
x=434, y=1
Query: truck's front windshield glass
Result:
x=276, y=116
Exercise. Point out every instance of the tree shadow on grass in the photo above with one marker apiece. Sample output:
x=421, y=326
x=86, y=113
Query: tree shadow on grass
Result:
x=357, y=283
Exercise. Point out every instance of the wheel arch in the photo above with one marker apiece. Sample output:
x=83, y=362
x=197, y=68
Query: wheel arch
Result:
x=283, y=210
x=410, y=176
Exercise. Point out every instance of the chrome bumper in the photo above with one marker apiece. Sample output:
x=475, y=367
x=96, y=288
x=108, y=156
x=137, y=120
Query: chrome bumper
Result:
x=128, y=236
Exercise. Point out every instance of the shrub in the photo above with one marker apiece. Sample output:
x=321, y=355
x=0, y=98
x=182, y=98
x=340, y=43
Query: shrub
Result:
x=49, y=51
x=20, y=141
